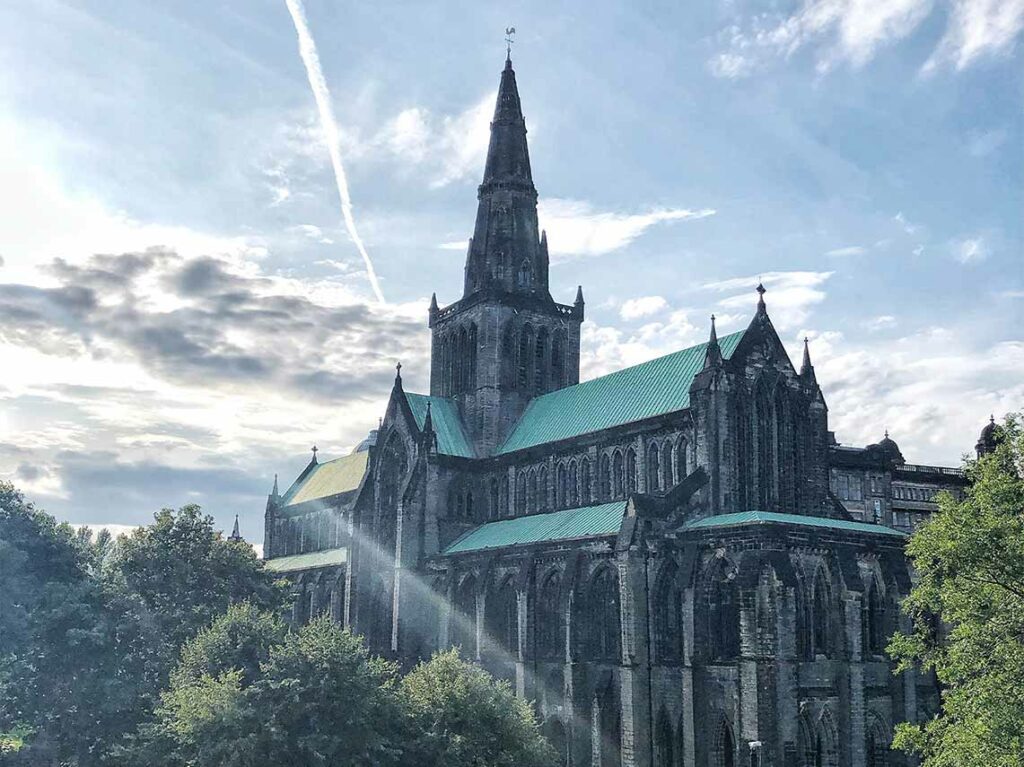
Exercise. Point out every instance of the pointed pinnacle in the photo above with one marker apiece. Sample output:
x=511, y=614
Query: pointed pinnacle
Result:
x=433, y=302
x=579, y=295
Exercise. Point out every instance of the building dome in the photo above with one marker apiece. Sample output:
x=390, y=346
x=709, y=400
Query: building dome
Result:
x=889, y=449
x=989, y=437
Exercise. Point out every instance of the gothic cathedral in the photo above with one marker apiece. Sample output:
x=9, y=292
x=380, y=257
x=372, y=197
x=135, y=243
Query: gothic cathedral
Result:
x=677, y=562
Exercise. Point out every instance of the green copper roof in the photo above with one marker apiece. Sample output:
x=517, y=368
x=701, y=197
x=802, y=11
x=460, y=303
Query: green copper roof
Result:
x=326, y=558
x=451, y=439
x=565, y=525
x=643, y=391
x=766, y=517
x=328, y=478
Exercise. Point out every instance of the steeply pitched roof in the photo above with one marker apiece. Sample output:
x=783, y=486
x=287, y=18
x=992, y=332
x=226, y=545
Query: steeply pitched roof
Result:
x=451, y=437
x=768, y=517
x=306, y=561
x=643, y=391
x=564, y=525
x=328, y=478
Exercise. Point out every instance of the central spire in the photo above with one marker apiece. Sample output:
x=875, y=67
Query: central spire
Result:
x=507, y=252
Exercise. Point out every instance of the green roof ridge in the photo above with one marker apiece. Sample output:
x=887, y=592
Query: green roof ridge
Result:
x=641, y=391
x=563, y=525
x=767, y=517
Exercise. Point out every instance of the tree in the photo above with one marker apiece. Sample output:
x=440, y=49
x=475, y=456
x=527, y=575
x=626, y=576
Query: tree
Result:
x=970, y=562
x=60, y=648
x=318, y=698
x=183, y=574
x=462, y=717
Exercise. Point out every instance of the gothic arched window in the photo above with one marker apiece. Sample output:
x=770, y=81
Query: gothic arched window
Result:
x=653, y=461
x=521, y=493
x=666, y=467
x=872, y=622
x=394, y=464
x=557, y=361
x=617, y=470
x=668, y=616
x=503, y=617
x=584, y=481
x=493, y=511
x=471, y=341
x=464, y=619
x=542, y=489
x=525, y=357
x=605, y=478
x=726, y=746
x=561, y=486
x=631, y=471
x=682, y=459
x=524, y=277
x=531, y=491
x=573, y=499
x=550, y=642
x=723, y=616
x=540, y=364
x=822, y=617
x=603, y=614
x=664, y=740
x=503, y=497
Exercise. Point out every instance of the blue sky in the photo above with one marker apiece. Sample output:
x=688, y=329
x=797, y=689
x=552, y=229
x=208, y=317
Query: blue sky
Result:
x=183, y=313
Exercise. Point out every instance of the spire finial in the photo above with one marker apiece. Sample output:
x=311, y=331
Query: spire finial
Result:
x=887, y=434
x=992, y=418
x=761, y=290
x=315, y=450
x=398, y=374
x=713, y=355
x=510, y=33
x=274, y=493
x=235, y=534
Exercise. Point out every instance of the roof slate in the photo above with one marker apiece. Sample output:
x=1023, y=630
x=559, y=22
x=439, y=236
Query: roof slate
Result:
x=564, y=525
x=329, y=478
x=646, y=390
x=326, y=558
x=451, y=437
x=768, y=517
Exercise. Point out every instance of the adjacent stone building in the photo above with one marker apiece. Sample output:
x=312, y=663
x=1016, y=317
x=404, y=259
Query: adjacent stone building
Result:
x=676, y=561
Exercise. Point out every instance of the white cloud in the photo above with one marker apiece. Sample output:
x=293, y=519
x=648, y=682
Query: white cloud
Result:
x=970, y=250
x=907, y=384
x=977, y=29
x=852, y=31
x=115, y=530
x=790, y=295
x=313, y=232
x=905, y=225
x=643, y=306
x=575, y=229
x=604, y=349
x=850, y=250
x=881, y=322
x=448, y=148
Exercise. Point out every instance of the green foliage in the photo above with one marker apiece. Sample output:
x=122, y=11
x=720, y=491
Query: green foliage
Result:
x=462, y=717
x=184, y=574
x=60, y=650
x=970, y=562
x=91, y=629
x=318, y=698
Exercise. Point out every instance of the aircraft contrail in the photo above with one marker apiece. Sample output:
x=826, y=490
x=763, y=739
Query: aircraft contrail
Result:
x=317, y=83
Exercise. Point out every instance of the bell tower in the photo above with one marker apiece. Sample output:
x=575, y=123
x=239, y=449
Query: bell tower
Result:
x=505, y=341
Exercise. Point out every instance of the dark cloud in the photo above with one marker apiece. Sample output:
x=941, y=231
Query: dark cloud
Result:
x=226, y=328
x=28, y=472
x=100, y=487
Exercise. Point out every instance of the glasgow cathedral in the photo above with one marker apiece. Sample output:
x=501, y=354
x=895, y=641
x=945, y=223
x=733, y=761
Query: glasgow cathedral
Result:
x=677, y=562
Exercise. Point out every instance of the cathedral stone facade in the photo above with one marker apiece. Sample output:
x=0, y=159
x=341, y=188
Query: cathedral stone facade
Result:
x=677, y=561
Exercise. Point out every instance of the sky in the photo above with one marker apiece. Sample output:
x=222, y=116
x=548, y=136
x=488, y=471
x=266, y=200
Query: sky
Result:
x=185, y=310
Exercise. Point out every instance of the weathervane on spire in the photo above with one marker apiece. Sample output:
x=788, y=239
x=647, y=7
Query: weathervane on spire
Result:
x=510, y=33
